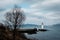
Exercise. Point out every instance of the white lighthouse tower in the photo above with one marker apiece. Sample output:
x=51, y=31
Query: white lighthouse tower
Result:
x=42, y=25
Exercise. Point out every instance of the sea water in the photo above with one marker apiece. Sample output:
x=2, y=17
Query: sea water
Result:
x=53, y=33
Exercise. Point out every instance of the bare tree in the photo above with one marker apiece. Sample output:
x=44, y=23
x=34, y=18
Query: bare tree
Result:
x=15, y=18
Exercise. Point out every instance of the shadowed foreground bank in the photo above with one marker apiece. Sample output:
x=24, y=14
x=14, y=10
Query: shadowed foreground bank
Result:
x=7, y=34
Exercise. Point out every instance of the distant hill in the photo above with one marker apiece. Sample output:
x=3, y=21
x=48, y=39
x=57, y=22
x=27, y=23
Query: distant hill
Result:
x=56, y=25
x=29, y=25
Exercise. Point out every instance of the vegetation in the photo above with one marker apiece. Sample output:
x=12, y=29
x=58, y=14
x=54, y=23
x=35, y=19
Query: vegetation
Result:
x=7, y=34
x=15, y=18
x=10, y=31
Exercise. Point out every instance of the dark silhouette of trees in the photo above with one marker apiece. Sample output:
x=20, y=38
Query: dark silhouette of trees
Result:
x=15, y=18
x=1, y=31
x=6, y=34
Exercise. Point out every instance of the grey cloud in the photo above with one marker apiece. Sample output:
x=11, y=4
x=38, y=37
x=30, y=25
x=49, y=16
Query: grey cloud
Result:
x=2, y=10
x=48, y=6
x=57, y=14
x=51, y=8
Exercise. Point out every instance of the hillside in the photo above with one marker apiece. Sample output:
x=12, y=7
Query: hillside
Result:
x=6, y=34
x=56, y=25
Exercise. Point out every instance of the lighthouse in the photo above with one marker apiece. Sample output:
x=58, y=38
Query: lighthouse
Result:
x=42, y=25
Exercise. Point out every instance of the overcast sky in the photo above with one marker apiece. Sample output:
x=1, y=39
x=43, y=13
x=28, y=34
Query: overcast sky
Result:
x=36, y=11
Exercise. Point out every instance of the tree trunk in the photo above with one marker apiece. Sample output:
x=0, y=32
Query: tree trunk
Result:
x=14, y=32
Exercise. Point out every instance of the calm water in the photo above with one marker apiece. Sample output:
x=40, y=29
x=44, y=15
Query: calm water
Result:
x=52, y=34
